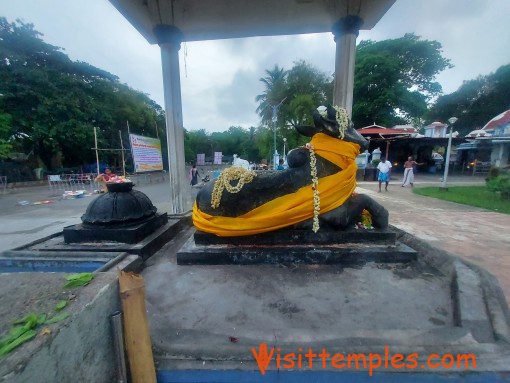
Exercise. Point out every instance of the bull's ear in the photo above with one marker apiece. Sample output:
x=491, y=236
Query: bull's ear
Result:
x=306, y=130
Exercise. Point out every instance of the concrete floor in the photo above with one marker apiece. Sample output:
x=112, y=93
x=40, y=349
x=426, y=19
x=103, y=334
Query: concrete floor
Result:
x=308, y=303
x=475, y=234
x=218, y=312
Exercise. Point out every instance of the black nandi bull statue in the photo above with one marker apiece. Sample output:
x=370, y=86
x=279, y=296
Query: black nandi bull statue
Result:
x=266, y=201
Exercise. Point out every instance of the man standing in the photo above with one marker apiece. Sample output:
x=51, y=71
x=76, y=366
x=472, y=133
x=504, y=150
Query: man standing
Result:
x=384, y=173
x=409, y=172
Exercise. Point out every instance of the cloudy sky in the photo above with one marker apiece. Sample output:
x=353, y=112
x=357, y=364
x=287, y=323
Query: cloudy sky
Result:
x=220, y=79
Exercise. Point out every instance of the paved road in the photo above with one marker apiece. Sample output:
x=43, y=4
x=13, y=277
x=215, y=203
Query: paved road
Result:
x=21, y=224
x=477, y=235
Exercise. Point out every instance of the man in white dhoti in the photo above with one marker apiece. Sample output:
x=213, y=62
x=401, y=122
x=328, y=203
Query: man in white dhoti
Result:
x=409, y=172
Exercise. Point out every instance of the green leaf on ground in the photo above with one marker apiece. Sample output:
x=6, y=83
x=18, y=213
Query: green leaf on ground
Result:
x=60, y=305
x=24, y=337
x=29, y=318
x=41, y=319
x=57, y=318
x=13, y=334
x=77, y=280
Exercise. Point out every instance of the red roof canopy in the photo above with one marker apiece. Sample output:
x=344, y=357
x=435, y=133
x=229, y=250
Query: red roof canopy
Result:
x=380, y=130
x=500, y=119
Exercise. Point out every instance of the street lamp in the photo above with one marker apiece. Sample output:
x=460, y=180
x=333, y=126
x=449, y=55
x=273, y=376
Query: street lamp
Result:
x=451, y=120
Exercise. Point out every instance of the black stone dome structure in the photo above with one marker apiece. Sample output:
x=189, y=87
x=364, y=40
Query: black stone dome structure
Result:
x=119, y=207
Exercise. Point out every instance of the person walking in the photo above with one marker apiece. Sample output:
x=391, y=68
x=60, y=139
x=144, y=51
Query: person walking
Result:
x=409, y=172
x=384, y=173
x=193, y=175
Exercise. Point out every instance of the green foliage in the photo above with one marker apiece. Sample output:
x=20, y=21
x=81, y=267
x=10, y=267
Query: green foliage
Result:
x=53, y=103
x=375, y=163
x=23, y=337
x=303, y=88
x=57, y=318
x=493, y=172
x=475, y=102
x=60, y=305
x=78, y=280
x=499, y=184
x=21, y=333
x=5, y=134
x=274, y=93
x=252, y=145
x=478, y=196
x=394, y=79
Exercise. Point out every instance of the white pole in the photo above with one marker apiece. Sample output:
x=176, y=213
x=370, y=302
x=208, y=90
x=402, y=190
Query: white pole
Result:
x=275, y=118
x=122, y=151
x=451, y=120
x=95, y=147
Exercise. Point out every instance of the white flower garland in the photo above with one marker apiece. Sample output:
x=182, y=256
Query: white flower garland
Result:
x=342, y=119
x=223, y=182
x=315, y=183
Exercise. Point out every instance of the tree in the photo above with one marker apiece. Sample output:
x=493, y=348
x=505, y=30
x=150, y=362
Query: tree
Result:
x=394, y=79
x=303, y=88
x=274, y=92
x=475, y=102
x=5, y=134
x=54, y=103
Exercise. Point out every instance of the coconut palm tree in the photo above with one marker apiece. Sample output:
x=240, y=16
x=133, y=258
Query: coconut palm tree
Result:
x=274, y=92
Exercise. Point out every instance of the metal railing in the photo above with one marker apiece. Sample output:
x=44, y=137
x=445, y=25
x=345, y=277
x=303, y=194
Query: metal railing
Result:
x=73, y=182
x=481, y=167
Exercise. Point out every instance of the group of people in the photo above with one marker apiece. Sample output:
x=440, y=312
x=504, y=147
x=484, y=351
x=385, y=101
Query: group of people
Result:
x=384, y=168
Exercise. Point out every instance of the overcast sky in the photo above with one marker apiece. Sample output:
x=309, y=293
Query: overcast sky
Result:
x=220, y=79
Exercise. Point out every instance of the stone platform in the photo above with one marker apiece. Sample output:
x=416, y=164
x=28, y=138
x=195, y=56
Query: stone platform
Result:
x=296, y=246
x=52, y=253
x=216, y=314
x=126, y=233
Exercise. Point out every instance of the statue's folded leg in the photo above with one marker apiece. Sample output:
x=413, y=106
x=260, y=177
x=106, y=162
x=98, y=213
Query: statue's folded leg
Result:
x=350, y=212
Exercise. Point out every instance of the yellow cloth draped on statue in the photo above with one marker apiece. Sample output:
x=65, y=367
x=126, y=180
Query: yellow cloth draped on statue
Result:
x=295, y=207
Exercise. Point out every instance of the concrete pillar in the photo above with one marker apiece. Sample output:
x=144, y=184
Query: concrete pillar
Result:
x=169, y=40
x=346, y=31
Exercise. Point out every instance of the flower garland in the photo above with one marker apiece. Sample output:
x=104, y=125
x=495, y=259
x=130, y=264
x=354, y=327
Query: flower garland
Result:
x=342, y=120
x=224, y=182
x=315, y=183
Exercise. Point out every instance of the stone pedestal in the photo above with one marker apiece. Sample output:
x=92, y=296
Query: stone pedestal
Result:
x=296, y=246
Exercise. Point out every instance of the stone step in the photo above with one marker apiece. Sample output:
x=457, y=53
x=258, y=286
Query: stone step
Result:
x=291, y=237
x=192, y=253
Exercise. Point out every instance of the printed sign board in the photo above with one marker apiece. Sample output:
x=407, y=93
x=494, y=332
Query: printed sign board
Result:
x=217, y=158
x=146, y=153
x=201, y=159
